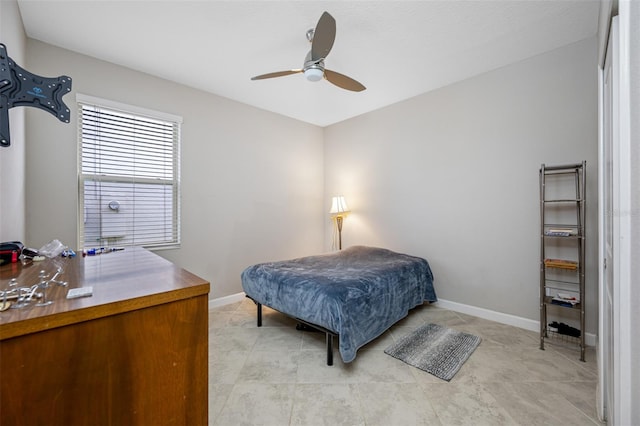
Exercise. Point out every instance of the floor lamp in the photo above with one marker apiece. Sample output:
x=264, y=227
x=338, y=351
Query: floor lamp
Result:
x=338, y=211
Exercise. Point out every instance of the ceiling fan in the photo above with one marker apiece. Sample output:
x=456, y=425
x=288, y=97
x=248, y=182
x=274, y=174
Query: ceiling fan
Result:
x=321, y=39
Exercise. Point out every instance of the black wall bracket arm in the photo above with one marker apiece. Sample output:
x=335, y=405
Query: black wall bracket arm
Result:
x=19, y=87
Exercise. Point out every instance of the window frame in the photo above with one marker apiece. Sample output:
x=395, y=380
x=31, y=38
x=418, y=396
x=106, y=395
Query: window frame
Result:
x=175, y=184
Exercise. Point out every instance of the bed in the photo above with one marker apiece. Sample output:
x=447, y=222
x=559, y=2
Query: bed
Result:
x=355, y=294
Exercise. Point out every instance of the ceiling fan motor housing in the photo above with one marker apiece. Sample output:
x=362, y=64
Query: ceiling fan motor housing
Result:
x=314, y=73
x=313, y=70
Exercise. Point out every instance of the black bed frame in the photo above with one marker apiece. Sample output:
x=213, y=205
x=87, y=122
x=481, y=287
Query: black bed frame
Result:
x=304, y=326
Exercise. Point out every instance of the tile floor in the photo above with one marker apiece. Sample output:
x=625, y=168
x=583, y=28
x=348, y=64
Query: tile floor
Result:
x=276, y=375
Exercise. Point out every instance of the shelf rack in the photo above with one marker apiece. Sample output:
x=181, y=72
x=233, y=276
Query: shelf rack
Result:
x=560, y=239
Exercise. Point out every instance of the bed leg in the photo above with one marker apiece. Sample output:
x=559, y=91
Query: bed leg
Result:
x=329, y=348
x=259, y=307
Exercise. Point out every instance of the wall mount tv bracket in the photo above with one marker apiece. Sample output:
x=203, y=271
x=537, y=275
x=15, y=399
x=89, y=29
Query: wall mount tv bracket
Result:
x=19, y=87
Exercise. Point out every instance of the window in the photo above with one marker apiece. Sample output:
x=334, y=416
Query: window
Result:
x=129, y=176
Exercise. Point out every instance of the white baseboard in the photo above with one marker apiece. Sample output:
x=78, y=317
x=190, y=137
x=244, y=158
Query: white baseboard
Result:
x=226, y=300
x=525, y=323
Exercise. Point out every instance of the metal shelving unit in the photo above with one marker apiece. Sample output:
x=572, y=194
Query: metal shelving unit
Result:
x=562, y=249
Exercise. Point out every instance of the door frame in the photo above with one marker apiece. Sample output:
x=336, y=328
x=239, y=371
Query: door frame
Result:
x=614, y=380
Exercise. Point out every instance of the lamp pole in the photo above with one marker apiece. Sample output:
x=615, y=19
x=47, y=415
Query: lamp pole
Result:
x=339, y=210
x=339, y=223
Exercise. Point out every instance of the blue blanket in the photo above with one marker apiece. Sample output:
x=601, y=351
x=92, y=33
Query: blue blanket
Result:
x=357, y=293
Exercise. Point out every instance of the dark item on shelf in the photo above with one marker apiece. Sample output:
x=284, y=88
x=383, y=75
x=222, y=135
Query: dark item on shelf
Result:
x=565, y=329
x=19, y=87
x=562, y=303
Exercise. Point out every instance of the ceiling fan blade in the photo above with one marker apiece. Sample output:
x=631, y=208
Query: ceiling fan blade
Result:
x=275, y=74
x=323, y=37
x=343, y=81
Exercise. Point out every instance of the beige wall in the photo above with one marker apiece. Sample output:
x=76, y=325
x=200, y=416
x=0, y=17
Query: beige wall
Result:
x=12, y=158
x=252, y=182
x=452, y=175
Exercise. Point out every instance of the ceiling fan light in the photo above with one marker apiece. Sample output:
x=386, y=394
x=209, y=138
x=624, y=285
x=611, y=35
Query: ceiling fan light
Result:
x=313, y=74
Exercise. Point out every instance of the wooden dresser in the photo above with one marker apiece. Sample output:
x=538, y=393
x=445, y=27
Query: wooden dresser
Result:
x=134, y=353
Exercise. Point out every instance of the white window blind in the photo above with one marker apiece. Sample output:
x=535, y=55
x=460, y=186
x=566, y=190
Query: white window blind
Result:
x=129, y=176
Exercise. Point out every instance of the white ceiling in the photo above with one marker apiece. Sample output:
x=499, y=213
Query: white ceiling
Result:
x=397, y=49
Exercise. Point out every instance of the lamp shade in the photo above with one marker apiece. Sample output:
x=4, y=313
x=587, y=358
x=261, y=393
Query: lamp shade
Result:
x=338, y=206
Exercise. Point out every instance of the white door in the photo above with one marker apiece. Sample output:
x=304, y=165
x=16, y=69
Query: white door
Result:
x=606, y=291
x=616, y=328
